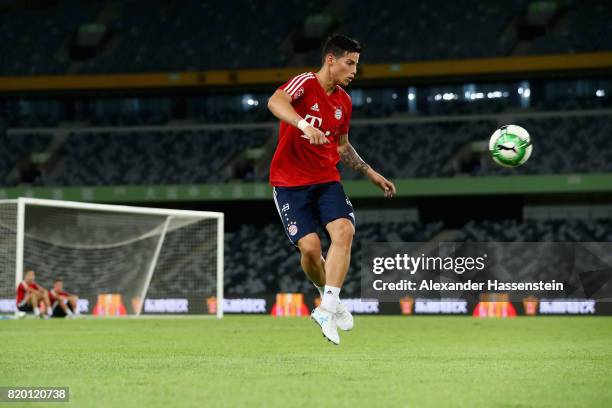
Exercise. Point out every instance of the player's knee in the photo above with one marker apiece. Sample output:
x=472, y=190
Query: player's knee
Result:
x=312, y=253
x=343, y=233
x=344, y=230
x=310, y=248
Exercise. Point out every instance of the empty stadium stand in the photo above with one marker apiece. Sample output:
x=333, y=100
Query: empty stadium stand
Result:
x=251, y=35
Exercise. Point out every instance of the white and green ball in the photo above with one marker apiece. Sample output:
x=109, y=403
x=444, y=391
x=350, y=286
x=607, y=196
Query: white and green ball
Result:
x=510, y=146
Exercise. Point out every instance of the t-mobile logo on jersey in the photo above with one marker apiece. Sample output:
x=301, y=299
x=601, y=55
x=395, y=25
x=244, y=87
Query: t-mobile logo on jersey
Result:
x=315, y=122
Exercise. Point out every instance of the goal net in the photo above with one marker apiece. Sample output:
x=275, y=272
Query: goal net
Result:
x=119, y=260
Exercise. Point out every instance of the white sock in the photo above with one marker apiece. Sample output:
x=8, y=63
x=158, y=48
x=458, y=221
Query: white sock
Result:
x=330, y=298
x=49, y=311
x=36, y=311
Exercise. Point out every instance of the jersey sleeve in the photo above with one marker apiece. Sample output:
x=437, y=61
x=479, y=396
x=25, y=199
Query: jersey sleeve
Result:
x=347, y=116
x=297, y=86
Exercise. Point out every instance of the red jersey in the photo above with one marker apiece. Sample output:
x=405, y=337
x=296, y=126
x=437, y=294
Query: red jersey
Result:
x=54, y=296
x=22, y=290
x=296, y=162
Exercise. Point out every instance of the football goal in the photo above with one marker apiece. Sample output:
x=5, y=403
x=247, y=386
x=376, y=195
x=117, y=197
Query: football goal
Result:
x=119, y=260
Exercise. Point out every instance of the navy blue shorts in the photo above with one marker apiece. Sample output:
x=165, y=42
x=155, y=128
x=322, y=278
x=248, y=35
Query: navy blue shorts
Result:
x=25, y=307
x=302, y=208
x=59, y=312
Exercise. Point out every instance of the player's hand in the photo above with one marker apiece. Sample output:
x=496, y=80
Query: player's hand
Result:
x=315, y=136
x=385, y=185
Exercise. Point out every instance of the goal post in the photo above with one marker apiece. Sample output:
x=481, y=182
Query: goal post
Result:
x=120, y=260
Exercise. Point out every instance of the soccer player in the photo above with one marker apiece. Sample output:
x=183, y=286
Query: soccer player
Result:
x=62, y=303
x=30, y=295
x=315, y=112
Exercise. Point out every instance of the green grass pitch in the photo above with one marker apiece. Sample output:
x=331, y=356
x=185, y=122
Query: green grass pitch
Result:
x=257, y=361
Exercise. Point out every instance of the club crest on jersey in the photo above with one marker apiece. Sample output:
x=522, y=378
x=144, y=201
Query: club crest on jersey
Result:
x=292, y=229
x=298, y=93
x=338, y=113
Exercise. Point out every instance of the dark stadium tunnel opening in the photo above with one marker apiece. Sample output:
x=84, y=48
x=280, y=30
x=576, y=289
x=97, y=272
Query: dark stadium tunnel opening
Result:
x=458, y=210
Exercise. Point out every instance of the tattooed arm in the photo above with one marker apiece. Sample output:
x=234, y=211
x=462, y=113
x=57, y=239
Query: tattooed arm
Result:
x=350, y=158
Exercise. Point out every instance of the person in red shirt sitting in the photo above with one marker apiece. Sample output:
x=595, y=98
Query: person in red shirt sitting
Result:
x=62, y=303
x=30, y=295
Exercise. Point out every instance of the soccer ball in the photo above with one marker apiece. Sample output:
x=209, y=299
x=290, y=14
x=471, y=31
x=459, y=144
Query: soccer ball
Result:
x=510, y=146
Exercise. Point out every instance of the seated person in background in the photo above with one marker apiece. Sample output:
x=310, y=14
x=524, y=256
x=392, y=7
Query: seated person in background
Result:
x=30, y=295
x=62, y=303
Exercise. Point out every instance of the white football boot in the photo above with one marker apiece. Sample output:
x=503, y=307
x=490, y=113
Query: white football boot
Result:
x=327, y=321
x=344, y=318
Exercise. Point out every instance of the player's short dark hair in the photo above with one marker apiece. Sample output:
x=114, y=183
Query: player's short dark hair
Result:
x=338, y=45
x=58, y=279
